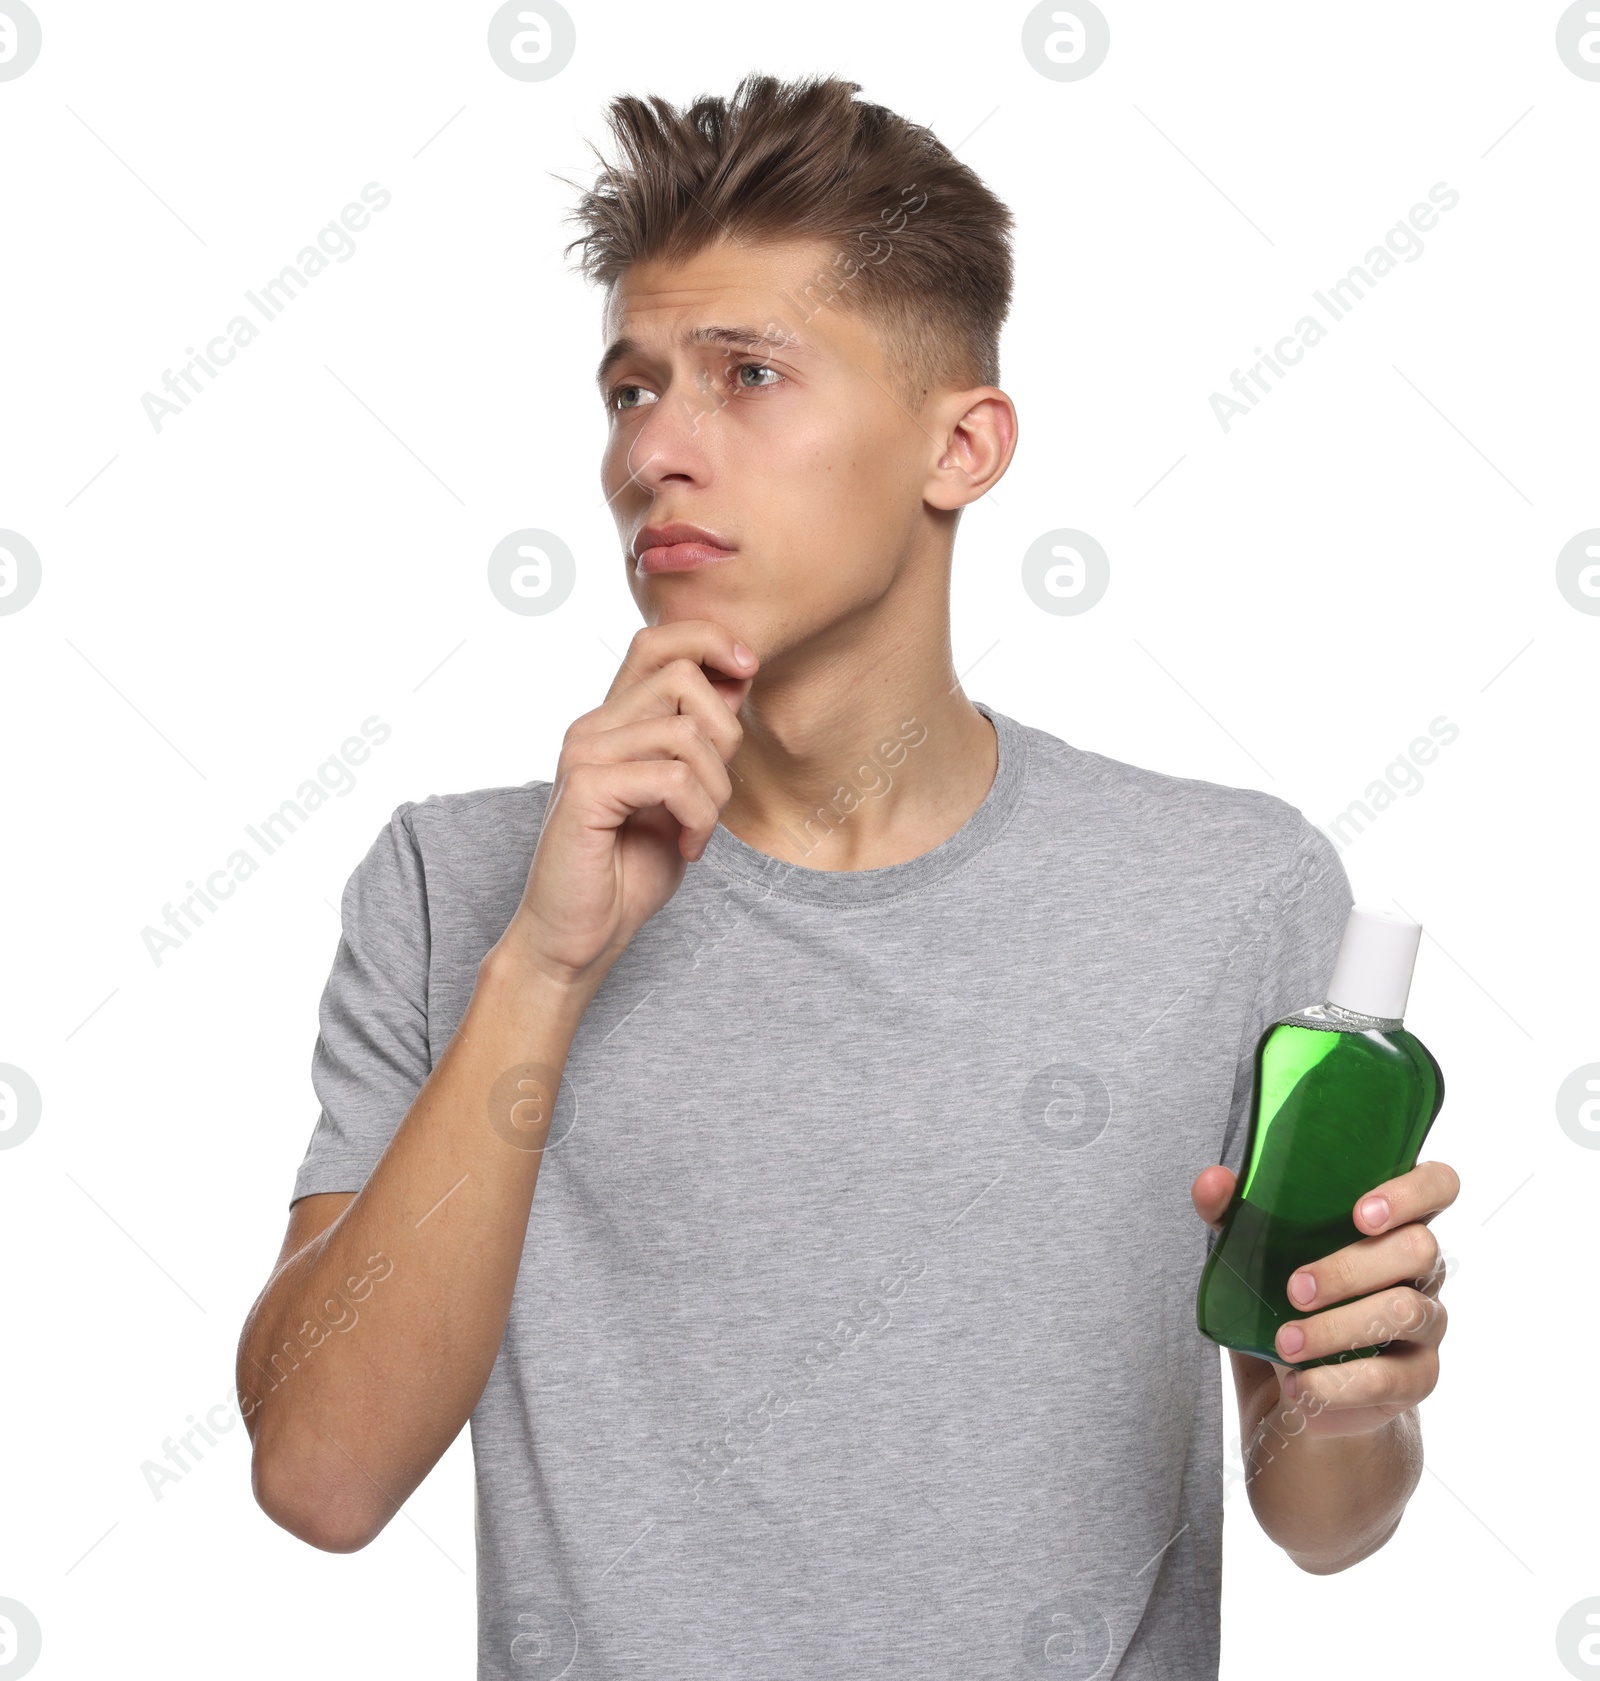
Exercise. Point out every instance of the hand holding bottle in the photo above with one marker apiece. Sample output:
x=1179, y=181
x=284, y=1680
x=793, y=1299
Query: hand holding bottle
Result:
x=1382, y=1291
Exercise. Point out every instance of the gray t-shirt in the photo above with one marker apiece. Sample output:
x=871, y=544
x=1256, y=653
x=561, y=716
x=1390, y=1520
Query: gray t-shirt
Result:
x=854, y=1333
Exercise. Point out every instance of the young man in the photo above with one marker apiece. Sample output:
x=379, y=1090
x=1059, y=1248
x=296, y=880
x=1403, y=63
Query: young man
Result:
x=871, y=1052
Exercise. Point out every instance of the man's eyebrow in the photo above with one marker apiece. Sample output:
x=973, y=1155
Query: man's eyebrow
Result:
x=734, y=338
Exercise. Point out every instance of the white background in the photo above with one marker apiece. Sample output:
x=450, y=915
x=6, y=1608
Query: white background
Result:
x=305, y=546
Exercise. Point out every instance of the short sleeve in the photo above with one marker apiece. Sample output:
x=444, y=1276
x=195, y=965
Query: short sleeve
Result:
x=1308, y=915
x=372, y=1052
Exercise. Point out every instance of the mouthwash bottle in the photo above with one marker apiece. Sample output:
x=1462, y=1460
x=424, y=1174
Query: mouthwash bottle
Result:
x=1344, y=1097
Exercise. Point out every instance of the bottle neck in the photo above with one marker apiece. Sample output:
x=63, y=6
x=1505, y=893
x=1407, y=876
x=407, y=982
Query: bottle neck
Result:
x=1336, y=1016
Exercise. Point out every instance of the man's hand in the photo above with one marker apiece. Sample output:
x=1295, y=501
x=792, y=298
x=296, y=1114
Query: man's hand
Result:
x=1382, y=1291
x=638, y=789
x=1333, y=1454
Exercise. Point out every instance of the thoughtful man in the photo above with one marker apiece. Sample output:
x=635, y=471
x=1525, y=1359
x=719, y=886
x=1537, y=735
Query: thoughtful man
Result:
x=872, y=1053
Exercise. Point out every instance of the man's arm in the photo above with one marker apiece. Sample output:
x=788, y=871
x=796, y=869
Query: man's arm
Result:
x=1332, y=1454
x=374, y=1337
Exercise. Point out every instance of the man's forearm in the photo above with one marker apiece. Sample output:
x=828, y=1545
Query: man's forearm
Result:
x=358, y=1387
x=1328, y=1501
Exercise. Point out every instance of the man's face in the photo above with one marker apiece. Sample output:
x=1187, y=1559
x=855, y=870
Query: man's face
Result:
x=794, y=452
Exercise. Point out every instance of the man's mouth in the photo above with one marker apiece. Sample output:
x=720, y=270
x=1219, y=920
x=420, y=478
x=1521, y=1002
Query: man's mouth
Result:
x=678, y=548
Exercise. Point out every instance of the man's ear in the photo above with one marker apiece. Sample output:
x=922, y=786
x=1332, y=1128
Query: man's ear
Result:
x=979, y=429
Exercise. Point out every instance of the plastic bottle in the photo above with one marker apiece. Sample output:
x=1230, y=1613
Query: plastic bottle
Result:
x=1344, y=1097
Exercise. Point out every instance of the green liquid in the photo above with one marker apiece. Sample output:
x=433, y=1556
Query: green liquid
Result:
x=1336, y=1113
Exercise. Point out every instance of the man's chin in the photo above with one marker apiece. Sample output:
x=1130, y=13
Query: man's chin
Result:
x=673, y=606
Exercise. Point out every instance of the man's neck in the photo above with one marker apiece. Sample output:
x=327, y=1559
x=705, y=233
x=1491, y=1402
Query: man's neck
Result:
x=838, y=771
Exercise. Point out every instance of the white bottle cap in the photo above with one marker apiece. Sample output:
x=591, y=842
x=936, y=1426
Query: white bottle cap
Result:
x=1372, y=973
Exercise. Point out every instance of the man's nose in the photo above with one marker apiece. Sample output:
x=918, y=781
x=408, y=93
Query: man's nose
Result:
x=673, y=439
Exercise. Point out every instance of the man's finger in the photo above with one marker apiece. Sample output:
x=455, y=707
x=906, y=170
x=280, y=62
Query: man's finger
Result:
x=1387, y=1383
x=680, y=686
x=707, y=644
x=1399, y=1315
x=1407, y=1255
x=612, y=794
x=677, y=737
x=1211, y=1193
x=1428, y=1189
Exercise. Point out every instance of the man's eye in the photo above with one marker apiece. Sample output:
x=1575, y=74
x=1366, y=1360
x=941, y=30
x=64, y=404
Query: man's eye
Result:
x=622, y=391
x=759, y=368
